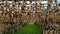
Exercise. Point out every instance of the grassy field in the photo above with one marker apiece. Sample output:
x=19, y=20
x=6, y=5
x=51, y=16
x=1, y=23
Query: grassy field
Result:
x=30, y=29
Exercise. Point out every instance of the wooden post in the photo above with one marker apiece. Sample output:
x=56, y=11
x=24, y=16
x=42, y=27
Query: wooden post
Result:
x=48, y=9
x=40, y=4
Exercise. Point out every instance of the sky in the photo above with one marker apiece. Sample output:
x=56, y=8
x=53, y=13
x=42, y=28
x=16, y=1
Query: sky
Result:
x=58, y=1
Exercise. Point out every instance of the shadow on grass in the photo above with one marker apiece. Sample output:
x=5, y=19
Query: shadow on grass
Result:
x=30, y=29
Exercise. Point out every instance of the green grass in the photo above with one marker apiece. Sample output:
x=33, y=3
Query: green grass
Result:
x=30, y=29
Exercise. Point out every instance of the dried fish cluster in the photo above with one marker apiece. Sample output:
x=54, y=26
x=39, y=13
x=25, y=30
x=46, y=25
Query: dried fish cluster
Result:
x=13, y=15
